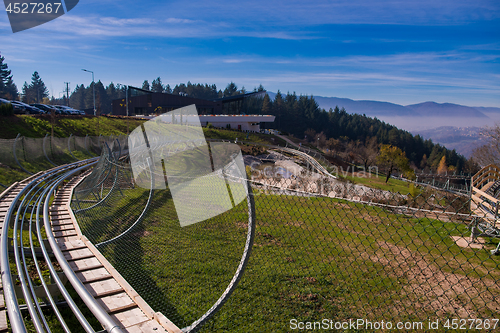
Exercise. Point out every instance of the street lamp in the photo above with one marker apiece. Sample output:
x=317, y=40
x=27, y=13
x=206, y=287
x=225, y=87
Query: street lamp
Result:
x=93, y=86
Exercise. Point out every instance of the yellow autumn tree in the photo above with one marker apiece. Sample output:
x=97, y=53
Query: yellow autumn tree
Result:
x=392, y=158
x=442, y=168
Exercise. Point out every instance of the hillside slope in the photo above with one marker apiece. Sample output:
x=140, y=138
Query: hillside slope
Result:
x=39, y=126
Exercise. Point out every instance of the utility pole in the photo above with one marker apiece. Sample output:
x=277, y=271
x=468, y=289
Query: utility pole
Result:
x=67, y=92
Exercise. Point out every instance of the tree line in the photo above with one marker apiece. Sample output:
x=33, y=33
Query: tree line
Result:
x=356, y=137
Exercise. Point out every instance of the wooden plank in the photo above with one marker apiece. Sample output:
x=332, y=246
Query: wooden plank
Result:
x=61, y=222
x=72, y=248
x=486, y=195
x=94, y=275
x=78, y=254
x=117, y=303
x=147, y=310
x=65, y=233
x=3, y=321
x=85, y=264
x=73, y=219
x=65, y=239
x=104, y=288
x=147, y=326
x=10, y=189
x=166, y=323
x=66, y=226
x=131, y=317
x=59, y=213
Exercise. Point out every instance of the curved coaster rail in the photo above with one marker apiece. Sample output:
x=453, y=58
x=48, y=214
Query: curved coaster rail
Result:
x=106, y=294
x=224, y=293
x=99, y=278
x=112, y=301
x=43, y=201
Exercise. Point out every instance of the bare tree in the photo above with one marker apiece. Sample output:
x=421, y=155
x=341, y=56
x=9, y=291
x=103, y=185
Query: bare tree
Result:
x=489, y=153
x=367, y=153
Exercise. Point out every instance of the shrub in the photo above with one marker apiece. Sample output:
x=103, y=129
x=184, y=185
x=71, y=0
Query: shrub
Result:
x=6, y=110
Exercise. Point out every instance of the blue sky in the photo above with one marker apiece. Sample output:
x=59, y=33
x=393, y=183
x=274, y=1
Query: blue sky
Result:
x=398, y=51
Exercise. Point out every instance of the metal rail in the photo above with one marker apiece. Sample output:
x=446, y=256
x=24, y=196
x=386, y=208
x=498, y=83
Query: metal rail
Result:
x=37, y=192
x=30, y=201
x=11, y=302
x=101, y=315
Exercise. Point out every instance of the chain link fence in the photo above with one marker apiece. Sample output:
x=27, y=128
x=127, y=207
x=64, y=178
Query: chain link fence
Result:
x=304, y=251
x=31, y=155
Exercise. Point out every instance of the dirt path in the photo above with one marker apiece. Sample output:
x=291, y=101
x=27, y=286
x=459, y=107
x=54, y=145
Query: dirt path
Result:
x=442, y=292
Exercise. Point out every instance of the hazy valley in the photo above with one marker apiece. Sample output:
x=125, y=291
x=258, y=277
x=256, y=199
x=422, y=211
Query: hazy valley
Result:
x=452, y=125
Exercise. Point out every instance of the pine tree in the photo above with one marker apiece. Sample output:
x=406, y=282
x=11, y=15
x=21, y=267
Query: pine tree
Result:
x=36, y=91
x=111, y=91
x=145, y=85
x=27, y=98
x=231, y=90
x=77, y=98
x=266, y=105
x=278, y=109
x=157, y=86
x=102, y=101
x=8, y=89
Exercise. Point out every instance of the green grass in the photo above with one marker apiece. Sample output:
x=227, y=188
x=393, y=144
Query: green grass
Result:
x=39, y=126
x=216, y=133
x=378, y=182
x=313, y=258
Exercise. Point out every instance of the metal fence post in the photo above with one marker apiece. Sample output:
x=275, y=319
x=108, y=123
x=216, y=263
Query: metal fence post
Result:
x=15, y=156
x=45, y=151
x=86, y=148
x=69, y=147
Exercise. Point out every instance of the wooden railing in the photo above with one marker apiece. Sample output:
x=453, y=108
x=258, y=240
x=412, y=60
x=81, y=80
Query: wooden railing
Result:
x=485, y=204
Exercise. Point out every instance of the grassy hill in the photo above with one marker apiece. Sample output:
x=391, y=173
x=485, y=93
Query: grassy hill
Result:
x=39, y=126
x=64, y=126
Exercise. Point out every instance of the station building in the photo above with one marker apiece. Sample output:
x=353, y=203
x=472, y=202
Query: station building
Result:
x=227, y=112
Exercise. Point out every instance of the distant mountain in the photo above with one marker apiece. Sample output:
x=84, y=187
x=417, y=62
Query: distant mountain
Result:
x=370, y=108
x=386, y=109
x=433, y=109
x=487, y=110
